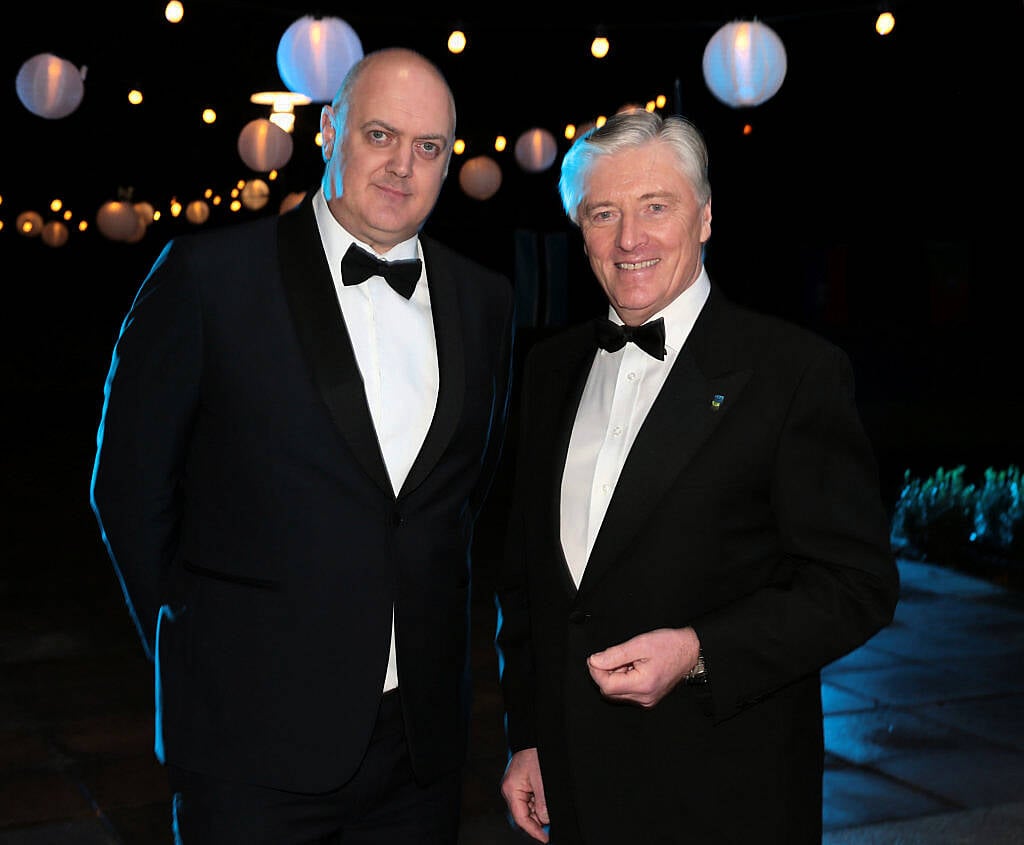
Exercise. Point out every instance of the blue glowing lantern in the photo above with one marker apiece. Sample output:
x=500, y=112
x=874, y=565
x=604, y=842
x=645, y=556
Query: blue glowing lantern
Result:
x=744, y=63
x=314, y=54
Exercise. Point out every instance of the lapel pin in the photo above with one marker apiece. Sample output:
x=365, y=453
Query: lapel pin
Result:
x=717, y=401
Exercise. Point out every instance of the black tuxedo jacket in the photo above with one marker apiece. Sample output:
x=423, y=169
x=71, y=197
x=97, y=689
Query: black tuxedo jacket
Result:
x=245, y=503
x=749, y=508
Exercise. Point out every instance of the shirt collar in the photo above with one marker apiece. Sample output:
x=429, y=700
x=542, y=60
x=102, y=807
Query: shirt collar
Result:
x=337, y=239
x=681, y=313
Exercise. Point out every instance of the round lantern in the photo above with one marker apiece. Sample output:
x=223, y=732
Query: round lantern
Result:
x=145, y=211
x=314, y=54
x=255, y=194
x=49, y=86
x=536, y=150
x=264, y=146
x=140, y=230
x=197, y=211
x=117, y=220
x=290, y=201
x=744, y=63
x=55, y=233
x=29, y=223
x=480, y=177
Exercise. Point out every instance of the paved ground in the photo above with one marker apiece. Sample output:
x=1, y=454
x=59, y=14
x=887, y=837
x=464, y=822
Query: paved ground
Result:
x=924, y=726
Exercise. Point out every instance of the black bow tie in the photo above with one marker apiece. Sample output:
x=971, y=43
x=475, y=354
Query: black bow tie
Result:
x=650, y=337
x=358, y=265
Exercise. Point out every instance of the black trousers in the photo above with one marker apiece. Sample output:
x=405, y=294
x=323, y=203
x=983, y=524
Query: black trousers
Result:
x=381, y=805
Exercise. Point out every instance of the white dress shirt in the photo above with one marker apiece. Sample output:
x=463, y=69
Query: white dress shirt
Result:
x=396, y=352
x=620, y=390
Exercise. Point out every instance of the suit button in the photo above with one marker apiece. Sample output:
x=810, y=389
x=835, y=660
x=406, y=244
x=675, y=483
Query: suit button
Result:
x=397, y=519
x=578, y=617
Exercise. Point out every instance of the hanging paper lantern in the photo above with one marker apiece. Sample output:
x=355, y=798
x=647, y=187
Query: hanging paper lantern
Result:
x=314, y=54
x=197, y=211
x=140, y=230
x=536, y=150
x=145, y=211
x=117, y=220
x=290, y=201
x=255, y=194
x=264, y=146
x=29, y=223
x=49, y=86
x=480, y=177
x=55, y=233
x=744, y=63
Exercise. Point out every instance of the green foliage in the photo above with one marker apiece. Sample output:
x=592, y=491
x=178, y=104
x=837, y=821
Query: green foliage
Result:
x=938, y=517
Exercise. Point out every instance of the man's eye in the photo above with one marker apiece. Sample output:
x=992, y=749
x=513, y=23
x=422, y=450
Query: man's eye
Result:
x=657, y=206
x=430, y=149
x=377, y=135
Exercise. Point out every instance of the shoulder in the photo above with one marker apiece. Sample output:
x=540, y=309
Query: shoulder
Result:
x=440, y=255
x=766, y=336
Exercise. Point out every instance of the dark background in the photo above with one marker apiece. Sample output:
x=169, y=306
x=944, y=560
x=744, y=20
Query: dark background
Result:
x=874, y=200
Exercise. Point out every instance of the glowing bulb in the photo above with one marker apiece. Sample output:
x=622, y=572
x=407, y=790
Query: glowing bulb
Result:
x=56, y=205
x=884, y=23
x=570, y=131
x=174, y=11
x=209, y=116
x=500, y=143
x=599, y=47
x=135, y=96
x=660, y=101
x=457, y=41
x=459, y=147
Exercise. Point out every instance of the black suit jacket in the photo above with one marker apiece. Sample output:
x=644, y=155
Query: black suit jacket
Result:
x=246, y=506
x=749, y=508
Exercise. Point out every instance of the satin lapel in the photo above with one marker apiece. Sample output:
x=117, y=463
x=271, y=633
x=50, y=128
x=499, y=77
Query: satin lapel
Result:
x=688, y=408
x=324, y=339
x=451, y=365
x=568, y=378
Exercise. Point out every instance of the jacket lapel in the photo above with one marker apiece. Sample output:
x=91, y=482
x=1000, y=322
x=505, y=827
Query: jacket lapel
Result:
x=448, y=333
x=697, y=395
x=323, y=337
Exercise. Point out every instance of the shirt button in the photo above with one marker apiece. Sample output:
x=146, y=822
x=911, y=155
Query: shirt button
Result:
x=617, y=430
x=605, y=488
x=632, y=376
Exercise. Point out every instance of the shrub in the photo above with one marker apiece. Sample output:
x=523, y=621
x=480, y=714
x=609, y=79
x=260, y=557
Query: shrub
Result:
x=939, y=517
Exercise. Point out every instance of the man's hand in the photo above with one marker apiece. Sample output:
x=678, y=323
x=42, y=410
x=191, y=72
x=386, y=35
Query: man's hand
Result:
x=523, y=791
x=644, y=669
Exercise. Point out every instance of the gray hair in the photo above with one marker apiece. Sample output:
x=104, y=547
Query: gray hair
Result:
x=630, y=130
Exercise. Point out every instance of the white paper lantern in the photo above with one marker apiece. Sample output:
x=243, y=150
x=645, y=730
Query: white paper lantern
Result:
x=145, y=211
x=744, y=63
x=197, y=211
x=55, y=233
x=49, y=86
x=264, y=146
x=314, y=54
x=480, y=177
x=255, y=194
x=118, y=220
x=536, y=150
x=290, y=201
x=29, y=223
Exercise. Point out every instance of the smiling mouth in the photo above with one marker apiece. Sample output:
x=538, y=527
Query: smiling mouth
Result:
x=637, y=265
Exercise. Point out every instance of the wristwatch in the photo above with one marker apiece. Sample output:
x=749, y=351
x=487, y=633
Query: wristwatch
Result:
x=698, y=674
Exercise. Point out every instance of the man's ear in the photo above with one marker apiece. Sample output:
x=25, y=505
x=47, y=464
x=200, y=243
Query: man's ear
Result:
x=327, y=134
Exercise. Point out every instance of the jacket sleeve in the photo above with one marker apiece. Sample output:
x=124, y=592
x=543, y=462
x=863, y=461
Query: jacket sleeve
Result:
x=150, y=397
x=838, y=582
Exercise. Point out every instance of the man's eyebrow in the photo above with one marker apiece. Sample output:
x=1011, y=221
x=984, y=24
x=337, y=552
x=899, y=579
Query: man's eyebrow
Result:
x=387, y=127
